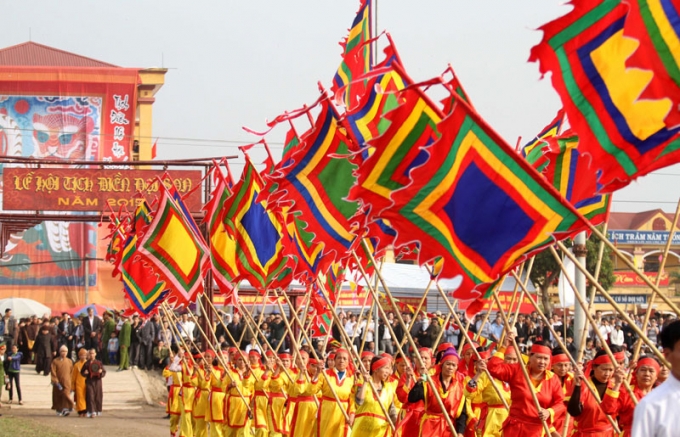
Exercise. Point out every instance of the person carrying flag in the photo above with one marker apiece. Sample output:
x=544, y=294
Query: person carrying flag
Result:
x=589, y=419
x=617, y=402
x=523, y=419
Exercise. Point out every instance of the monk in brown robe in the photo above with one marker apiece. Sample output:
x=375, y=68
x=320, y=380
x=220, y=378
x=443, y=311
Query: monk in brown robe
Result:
x=61, y=375
x=93, y=371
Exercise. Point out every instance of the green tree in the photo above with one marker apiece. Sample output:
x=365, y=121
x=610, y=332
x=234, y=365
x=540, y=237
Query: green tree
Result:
x=546, y=271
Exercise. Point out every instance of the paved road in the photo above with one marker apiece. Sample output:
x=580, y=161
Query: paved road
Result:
x=122, y=390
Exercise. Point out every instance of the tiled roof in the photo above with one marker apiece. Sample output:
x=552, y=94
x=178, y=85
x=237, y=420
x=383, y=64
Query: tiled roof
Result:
x=39, y=55
x=634, y=220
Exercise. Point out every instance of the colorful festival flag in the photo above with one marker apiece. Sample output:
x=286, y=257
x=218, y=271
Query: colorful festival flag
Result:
x=620, y=114
x=366, y=120
x=356, y=58
x=142, y=286
x=533, y=150
x=222, y=243
x=260, y=234
x=569, y=172
x=317, y=181
x=656, y=25
x=395, y=153
x=175, y=251
x=478, y=205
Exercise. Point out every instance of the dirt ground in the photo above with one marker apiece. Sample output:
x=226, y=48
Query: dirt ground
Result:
x=147, y=421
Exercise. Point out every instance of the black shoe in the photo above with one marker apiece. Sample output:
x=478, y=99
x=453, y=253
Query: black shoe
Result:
x=167, y=417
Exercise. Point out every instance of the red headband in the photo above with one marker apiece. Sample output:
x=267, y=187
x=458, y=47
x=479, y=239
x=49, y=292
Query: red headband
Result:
x=620, y=356
x=341, y=351
x=269, y=353
x=312, y=362
x=210, y=353
x=254, y=353
x=331, y=356
x=444, y=346
x=384, y=361
x=426, y=350
x=232, y=350
x=538, y=349
x=401, y=358
x=651, y=362
x=468, y=346
x=602, y=359
x=367, y=354
x=284, y=356
x=510, y=350
x=560, y=358
x=449, y=357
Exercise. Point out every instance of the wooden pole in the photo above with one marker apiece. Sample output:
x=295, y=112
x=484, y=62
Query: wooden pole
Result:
x=441, y=331
x=648, y=313
x=323, y=372
x=566, y=352
x=296, y=347
x=350, y=349
x=466, y=336
x=412, y=343
x=598, y=266
x=525, y=372
x=415, y=315
x=175, y=331
x=612, y=303
x=224, y=364
x=630, y=265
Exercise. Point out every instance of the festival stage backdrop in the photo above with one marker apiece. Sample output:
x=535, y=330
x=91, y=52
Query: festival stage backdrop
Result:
x=62, y=113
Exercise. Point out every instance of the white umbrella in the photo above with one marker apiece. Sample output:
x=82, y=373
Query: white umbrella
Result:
x=23, y=307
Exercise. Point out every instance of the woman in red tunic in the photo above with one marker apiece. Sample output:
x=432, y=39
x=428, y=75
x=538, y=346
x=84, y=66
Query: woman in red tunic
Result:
x=589, y=420
x=617, y=402
x=523, y=419
x=410, y=424
x=449, y=383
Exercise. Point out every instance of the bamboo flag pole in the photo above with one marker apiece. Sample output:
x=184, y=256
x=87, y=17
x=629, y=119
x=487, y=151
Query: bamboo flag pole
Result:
x=589, y=317
x=369, y=320
x=485, y=319
x=359, y=316
x=441, y=331
x=351, y=351
x=298, y=336
x=598, y=267
x=526, y=283
x=418, y=308
x=296, y=346
x=525, y=372
x=566, y=352
x=381, y=313
x=466, y=336
x=611, y=302
x=323, y=372
x=630, y=265
x=412, y=343
x=648, y=313
x=224, y=364
x=175, y=331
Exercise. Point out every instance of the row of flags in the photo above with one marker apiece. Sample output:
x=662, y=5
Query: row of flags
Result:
x=383, y=165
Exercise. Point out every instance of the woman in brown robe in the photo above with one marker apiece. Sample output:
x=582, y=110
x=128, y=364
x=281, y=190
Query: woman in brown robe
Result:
x=94, y=371
x=62, y=373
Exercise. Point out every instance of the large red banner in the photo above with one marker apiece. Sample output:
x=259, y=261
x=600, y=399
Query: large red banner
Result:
x=82, y=189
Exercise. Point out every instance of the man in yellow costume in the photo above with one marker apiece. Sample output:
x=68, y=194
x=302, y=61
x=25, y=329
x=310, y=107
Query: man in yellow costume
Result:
x=238, y=412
